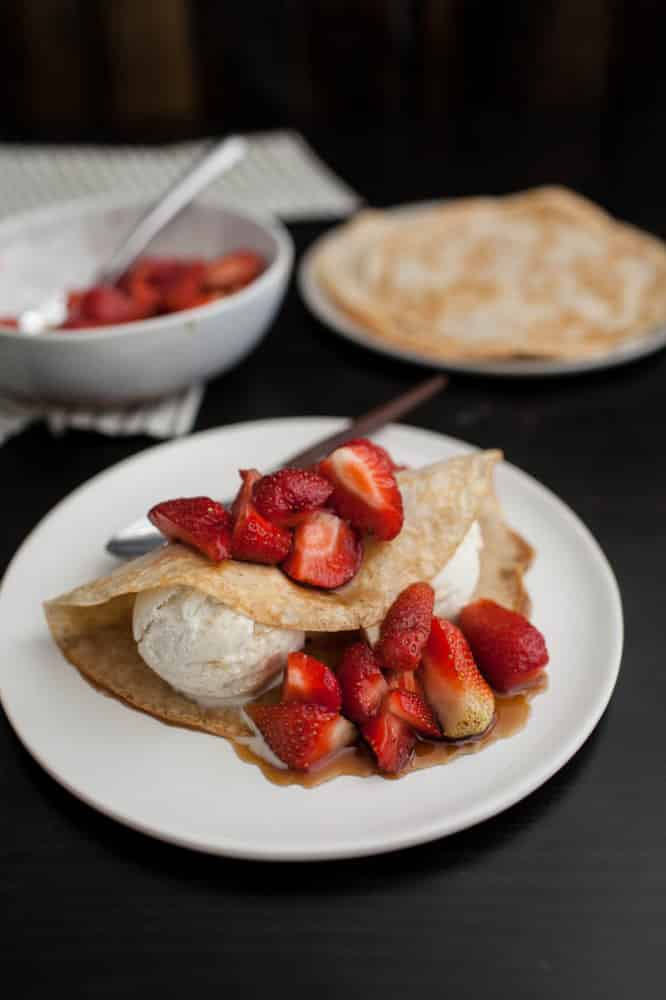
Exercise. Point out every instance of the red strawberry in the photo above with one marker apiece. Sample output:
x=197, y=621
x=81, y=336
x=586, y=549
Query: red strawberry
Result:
x=309, y=680
x=406, y=627
x=105, y=305
x=406, y=680
x=510, y=651
x=326, y=552
x=362, y=682
x=366, y=493
x=391, y=739
x=414, y=711
x=301, y=735
x=381, y=454
x=286, y=495
x=255, y=538
x=453, y=685
x=234, y=270
x=198, y=521
x=186, y=288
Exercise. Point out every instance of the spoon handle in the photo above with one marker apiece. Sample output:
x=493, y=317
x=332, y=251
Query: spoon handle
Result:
x=215, y=161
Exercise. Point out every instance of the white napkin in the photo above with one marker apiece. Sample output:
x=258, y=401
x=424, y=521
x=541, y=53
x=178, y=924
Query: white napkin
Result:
x=281, y=175
x=169, y=417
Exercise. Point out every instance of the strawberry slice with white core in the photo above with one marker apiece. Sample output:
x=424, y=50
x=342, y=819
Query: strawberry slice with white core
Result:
x=254, y=537
x=406, y=680
x=392, y=741
x=326, y=552
x=310, y=681
x=301, y=735
x=454, y=687
x=413, y=710
x=198, y=521
x=365, y=490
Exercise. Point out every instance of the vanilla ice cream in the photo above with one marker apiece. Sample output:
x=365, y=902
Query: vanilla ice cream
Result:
x=455, y=584
x=204, y=649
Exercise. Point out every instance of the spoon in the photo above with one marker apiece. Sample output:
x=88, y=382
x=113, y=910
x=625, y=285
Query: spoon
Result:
x=140, y=536
x=216, y=160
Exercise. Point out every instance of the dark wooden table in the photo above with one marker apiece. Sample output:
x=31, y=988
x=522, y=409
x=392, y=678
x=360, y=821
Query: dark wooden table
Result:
x=562, y=895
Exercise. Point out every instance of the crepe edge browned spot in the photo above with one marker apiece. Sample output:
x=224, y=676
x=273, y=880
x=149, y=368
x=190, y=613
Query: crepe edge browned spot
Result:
x=110, y=661
x=506, y=557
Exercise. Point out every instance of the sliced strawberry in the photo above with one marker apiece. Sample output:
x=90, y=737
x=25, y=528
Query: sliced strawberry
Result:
x=381, y=453
x=104, y=305
x=308, y=680
x=406, y=627
x=414, y=711
x=197, y=521
x=255, y=538
x=406, y=680
x=453, y=684
x=234, y=270
x=186, y=288
x=510, y=652
x=326, y=551
x=301, y=735
x=362, y=682
x=391, y=739
x=366, y=493
x=288, y=494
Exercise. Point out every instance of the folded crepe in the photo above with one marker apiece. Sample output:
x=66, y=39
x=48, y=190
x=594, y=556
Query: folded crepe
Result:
x=544, y=273
x=92, y=624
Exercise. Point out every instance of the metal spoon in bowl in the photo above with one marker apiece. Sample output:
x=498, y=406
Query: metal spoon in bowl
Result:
x=216, y=160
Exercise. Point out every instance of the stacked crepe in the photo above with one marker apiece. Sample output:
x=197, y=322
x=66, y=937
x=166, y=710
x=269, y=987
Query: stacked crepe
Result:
x=92, y=624
x=541, y=274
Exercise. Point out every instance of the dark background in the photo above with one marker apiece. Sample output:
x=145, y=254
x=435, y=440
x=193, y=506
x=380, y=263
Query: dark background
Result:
x=564, y=894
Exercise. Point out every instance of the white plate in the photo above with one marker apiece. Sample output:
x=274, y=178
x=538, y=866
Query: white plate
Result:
x=326, y=310
x=190, y=788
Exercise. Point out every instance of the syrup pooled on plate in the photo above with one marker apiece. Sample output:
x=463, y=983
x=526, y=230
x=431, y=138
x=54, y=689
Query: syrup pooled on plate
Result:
x=512, y=713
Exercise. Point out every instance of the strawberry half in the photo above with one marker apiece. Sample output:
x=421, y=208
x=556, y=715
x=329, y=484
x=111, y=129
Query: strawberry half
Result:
x=326, y=551
x=301, y=735
x=392, y=741
x=286, y=495
x=453, y=685
x=197, y=521
x=510, y=652
x=406, y=627
x=365, y=491
x=310, y=681
x=406, y=680
x=254, y=537
x=413, y=710
x=234, y=270
x=362, y=682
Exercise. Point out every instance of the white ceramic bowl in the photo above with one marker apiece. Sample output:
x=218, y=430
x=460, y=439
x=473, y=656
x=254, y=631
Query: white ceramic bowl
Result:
x=61, y=246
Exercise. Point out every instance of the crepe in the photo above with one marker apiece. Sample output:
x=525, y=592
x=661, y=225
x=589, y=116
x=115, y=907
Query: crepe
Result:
x=544, y=273
x=92, y=624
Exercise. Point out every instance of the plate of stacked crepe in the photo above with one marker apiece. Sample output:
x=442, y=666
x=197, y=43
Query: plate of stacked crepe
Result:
x=543, y=282
x=93, y=713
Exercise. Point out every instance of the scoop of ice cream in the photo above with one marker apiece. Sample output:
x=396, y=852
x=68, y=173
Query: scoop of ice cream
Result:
x=455, y=584
x=204, y=649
